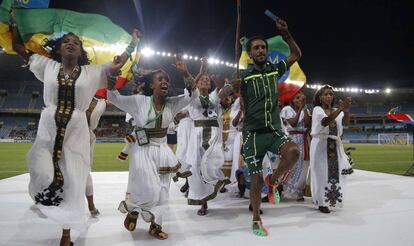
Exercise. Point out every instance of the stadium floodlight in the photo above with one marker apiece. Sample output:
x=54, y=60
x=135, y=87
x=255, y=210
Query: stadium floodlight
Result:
x=185, y=56
x=191, y=57
x=221, y=62
x=210, y=60
x=388, y=90
x=216, y=61
x=158, y=53
x=361, y=90
x=377, y=91
x=147, y=52
x=163, y=53
x=196, y=58
x=347, y=89
x=168, y=54
x=227, y=63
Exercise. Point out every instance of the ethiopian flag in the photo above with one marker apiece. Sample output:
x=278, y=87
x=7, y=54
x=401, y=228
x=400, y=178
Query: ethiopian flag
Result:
x=102, y=39
x=292, y=81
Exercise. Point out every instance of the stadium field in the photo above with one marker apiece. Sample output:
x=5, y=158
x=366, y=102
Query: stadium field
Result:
x=394, y=159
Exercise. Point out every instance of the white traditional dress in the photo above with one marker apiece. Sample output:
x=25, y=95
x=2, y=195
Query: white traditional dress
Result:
x=231, y=140
x=206, y=146
x=63, y=158
x=93, y=114
x=296, y=182
x=150, y=165
x=184, y=130
x=328, y=161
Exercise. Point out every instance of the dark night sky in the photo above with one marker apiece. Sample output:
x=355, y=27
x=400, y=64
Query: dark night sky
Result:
x=367, y=43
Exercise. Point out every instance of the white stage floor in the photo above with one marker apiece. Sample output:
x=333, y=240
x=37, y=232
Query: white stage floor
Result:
x=379, y=210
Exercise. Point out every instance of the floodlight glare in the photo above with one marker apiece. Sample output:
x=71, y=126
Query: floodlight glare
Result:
x=388, y=90
x=147, y=52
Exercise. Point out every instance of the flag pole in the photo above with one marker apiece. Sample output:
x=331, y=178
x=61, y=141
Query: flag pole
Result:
x=237, y=44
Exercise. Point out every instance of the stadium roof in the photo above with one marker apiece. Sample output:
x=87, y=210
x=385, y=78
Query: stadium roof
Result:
x=358, y=43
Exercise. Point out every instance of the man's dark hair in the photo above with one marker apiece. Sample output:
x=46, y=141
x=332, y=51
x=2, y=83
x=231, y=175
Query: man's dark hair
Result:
x=249, y=42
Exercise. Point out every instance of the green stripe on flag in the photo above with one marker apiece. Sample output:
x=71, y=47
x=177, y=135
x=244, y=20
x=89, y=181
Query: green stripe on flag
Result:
x=94, y=26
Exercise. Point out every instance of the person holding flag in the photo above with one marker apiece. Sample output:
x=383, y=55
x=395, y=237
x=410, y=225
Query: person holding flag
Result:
x=59, y=160
x=262, y=127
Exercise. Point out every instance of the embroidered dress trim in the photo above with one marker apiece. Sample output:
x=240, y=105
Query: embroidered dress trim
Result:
x=51, y=196
x=333, y=192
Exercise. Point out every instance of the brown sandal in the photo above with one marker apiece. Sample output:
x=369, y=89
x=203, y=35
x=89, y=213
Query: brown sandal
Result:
x=203, y=210
x=130, y=221
x=156, y=231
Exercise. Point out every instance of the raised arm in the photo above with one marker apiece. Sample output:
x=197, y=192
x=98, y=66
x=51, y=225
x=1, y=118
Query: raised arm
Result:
x=181, y=67
x=239, y=117
x=343, y=106
x=294, y=120
x=17, y=42
x=295, y=52
x=308, y=117
x=230, y=88
x=346, y=105
x=122, y=59
x=219, y=82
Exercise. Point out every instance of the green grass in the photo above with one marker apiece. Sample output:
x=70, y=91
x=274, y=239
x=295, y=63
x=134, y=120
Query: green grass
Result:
x=394, y=159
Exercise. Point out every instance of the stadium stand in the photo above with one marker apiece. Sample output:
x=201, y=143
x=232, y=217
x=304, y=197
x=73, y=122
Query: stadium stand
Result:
x=21, y=102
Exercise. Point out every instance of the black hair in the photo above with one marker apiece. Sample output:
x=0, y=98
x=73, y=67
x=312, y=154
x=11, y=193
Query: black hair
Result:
x=148, y=78
x=53, y=45
x=318, y=93
x=249, y=42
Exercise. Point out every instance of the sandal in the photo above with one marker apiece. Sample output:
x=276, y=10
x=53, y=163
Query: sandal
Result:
x=258, y=229
x=94, y=213
x=156, y=231
x=130, y=221
x=122, y=156
x=324, y=210
x=300, y=199
x=185, y=187
x=273, y=193
x=202, y=211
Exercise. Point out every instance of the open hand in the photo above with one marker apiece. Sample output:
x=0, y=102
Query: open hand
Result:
x=136, y=36
x=204, y=65
x=218, y=81
x=181, y=66
x=347, y=103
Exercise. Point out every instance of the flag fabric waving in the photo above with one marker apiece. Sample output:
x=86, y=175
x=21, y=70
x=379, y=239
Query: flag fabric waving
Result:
x=403, y=118
x=102, y=39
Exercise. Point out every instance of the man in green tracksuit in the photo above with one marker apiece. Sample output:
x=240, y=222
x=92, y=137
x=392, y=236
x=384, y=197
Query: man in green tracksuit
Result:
x=262, y=126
